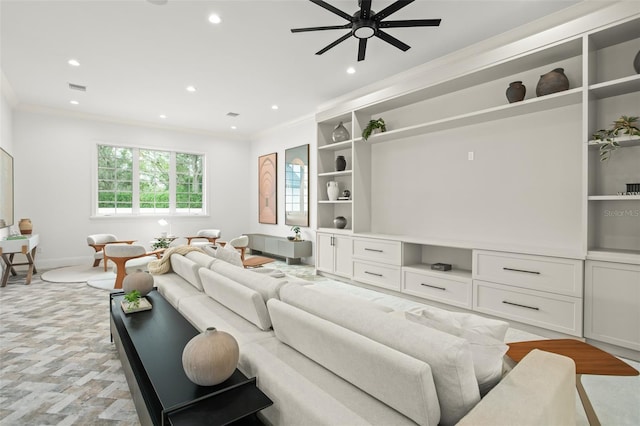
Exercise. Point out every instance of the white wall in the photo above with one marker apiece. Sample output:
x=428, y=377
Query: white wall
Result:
x=53, y=161
x=279, y=139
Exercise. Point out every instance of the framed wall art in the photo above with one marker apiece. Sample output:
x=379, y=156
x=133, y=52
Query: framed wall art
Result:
x=267, y=188
x=296, y=186
x=6, y=189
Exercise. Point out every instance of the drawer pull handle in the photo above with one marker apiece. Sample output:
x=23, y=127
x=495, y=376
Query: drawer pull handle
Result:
x=519, y=305
x=521, y=270
x=376, y=250
x=433, y=286
x=373, y=273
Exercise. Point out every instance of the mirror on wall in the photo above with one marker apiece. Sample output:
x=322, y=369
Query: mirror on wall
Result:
x=6, y=189
x=296, y=186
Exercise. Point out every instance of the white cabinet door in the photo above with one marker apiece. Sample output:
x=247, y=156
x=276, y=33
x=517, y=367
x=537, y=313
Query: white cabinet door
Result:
x=324, y=252
x=343, y=253
x=612, y=303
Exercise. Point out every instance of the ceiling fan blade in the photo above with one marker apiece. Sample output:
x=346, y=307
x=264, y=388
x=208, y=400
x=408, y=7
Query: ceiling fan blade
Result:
x=410, y=23
x=392, y=40
x=331, y=27
x=333, y=9
x=362, y=48
x=392, y=8
x=335, y=43
x=365, y=9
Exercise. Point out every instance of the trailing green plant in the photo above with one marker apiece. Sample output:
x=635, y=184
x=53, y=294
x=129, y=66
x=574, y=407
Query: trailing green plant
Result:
x=372, y=125
x=160, y=243
x=133, y=299
x=625, y=125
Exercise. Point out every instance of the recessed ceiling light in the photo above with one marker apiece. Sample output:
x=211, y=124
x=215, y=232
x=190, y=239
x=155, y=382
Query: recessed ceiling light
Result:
x=233, y=127
x=163, y=116
x=73, y=62
x=74, y=102
x=351, y=70
x=191, y=89
x=214, y=19
x=274, y=106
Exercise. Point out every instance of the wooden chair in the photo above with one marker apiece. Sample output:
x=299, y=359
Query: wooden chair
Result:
x=210, y=235
x=241, y=243
x=128, y=258
x=98, y=241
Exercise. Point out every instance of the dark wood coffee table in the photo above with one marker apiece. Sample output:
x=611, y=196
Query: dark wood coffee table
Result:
x=588, y=360
x=150, y=345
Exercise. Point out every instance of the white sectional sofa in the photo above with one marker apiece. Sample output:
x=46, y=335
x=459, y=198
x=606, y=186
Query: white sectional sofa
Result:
x=327, y=358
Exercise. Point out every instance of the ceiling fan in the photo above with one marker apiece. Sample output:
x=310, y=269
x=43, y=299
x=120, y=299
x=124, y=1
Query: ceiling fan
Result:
x=365, y=23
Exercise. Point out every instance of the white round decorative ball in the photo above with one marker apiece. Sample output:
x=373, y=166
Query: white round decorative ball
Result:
x=211, y=357
x=141, y=281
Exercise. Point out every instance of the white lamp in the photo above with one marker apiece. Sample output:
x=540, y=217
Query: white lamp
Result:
x=164, y=222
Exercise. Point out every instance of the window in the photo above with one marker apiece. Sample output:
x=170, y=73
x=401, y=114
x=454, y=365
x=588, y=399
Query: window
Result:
x=135, y=181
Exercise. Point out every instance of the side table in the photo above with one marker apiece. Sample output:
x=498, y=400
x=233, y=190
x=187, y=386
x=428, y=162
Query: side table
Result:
x=26, y=246
x=588, y=360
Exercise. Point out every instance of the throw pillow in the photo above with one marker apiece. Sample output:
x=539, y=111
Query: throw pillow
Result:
x=486, y=351
x=489, y=327
x=229, y=254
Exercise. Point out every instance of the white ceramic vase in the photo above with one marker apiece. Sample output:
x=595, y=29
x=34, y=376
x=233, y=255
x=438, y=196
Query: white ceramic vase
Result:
x=333, y=190
x=211, y=357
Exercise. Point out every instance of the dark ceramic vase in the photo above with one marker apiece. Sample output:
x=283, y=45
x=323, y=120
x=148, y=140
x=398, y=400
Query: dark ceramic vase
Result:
x=636, y=62
x=340, y=222
x=516, y=91
x=552, y=82
x=341, y=163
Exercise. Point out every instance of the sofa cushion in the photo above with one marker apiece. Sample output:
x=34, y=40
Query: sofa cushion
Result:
x=268, y=287
x=400, y=381
x=351, y=299
x=229, y=254
x=487, y=352
x=187, y=269
x=174, y=288
x=201, y=259
x=242, y=300
x=305, y=393
x=487, y=326
x=448, y=356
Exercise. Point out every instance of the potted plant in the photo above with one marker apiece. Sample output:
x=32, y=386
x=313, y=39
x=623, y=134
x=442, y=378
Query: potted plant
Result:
x=134, y=302
x=160, y=243
x=373, y=125
x=625, y=125
x=296, y=229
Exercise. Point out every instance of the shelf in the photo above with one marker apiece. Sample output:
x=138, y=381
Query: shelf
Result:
x=455, y=274
x=342, y=173
x=335, y=202
x=613, y=197
x=336, y=146
x=614, y=255
x=346, y=231
x=543, y=103
x=621, y=86
x=624, y=141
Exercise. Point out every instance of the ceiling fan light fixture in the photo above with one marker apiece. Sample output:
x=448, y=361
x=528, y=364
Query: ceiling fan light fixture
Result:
x=363, y=29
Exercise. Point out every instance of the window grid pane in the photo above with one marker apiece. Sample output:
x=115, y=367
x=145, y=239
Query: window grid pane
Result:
x=115, y=179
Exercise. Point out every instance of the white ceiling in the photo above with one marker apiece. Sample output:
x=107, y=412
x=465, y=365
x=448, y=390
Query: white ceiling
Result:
x=137, y=58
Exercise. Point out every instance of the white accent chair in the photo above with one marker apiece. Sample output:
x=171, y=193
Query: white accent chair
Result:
x=209, y=235
x=129, y=258
x=99, y=241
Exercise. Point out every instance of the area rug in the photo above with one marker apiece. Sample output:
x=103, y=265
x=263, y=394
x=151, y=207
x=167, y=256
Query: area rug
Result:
x=103, y=281
x=71, y=274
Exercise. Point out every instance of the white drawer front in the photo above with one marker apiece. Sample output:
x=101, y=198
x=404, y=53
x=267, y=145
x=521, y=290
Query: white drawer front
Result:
x=375, y=274
x=377, y=250
x=552, y=274
x=554, y=312
x=452, y=292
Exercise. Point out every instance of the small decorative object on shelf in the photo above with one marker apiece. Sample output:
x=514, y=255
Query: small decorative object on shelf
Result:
x=340, y=133
x=341, y=163
x=552, y=82
x=516, y=91
x=297, y=237
x=340, y=222
x=636, y=62
x=134, y=302
x=140, y=281
x=625, y=125
x=633, y=188
x=346, y=195
x=377, y=124
x=211, y=357
x=25, y=226
x=441, y=267
x=333, y=190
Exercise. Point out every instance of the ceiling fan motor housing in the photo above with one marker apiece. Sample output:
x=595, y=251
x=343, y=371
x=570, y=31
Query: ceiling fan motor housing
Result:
x=364, y=28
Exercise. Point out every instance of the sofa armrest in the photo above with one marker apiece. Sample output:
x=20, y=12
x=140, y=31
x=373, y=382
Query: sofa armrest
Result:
x=540, y=390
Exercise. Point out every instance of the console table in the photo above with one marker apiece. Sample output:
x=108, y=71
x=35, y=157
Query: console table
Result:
x=150, y=346
x=26, y=246
x=279, y=246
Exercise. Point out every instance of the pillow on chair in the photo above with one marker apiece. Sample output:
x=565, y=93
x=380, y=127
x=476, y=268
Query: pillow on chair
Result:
x=229, y=254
